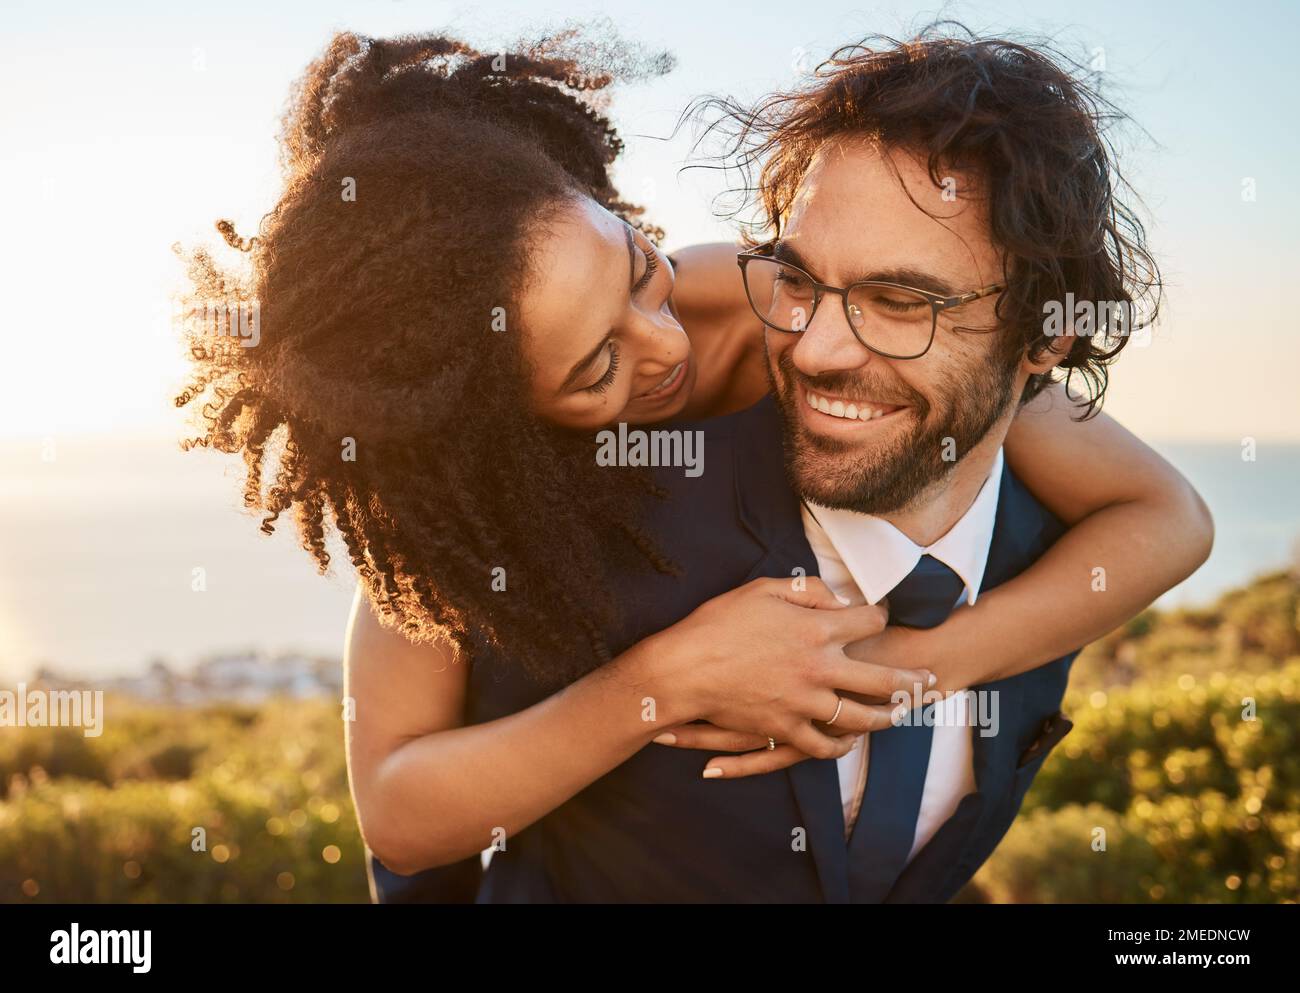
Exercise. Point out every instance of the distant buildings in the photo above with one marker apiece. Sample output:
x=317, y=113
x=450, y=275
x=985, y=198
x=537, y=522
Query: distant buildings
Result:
x=248, y=678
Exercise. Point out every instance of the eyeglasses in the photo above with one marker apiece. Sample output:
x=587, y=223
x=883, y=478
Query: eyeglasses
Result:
x=890, y=319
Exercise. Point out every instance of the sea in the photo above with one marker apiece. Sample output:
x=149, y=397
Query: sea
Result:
x=117, y=553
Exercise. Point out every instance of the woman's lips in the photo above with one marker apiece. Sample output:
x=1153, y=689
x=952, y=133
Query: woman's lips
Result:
x=670, y=385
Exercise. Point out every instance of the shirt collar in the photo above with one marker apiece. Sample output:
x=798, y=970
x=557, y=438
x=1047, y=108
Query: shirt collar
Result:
x=879, y=556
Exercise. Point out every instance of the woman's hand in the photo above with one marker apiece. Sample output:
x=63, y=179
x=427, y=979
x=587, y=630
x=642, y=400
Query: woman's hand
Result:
x=896, y=648
x=755, y=757
x=767, y=660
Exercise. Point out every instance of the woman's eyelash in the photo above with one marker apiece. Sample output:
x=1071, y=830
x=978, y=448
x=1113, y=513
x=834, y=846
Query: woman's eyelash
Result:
x=651, y=267
x=602, y=384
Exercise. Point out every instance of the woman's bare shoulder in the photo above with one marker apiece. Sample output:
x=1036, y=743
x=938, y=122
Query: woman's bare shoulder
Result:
x=707, y=279
x=726, y=338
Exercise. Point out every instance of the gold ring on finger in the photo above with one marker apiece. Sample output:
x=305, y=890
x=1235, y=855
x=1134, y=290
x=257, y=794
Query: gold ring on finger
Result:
x=838, y=707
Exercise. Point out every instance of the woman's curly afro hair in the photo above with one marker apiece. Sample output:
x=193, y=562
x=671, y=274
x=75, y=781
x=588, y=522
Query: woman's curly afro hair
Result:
x=382, y=394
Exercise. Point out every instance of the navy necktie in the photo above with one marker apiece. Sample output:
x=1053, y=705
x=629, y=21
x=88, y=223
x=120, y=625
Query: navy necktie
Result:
x=886, y=826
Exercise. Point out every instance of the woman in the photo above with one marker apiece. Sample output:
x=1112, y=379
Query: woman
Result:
x=454, y=300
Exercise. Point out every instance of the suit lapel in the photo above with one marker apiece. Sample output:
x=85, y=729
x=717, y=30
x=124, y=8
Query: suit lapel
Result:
x=769, y=510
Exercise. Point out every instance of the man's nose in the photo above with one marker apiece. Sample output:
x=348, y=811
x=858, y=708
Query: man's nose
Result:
x=828, y=343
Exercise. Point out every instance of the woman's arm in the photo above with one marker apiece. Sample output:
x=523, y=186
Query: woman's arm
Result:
x=1137, y=528
x=429, y=790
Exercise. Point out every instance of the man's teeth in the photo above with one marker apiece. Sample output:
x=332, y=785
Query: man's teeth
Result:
x=838, y=408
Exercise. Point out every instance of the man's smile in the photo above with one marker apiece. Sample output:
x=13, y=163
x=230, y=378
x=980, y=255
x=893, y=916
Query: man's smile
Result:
x=846, y=409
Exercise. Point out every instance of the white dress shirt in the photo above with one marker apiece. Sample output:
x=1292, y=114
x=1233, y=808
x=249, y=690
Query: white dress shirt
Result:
x=861, y=558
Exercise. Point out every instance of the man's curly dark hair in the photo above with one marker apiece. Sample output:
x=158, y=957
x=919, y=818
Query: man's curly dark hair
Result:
x=1024, y=120
x=387, y=391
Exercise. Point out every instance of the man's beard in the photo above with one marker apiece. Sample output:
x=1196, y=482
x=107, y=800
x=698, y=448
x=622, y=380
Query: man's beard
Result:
x=883, y=480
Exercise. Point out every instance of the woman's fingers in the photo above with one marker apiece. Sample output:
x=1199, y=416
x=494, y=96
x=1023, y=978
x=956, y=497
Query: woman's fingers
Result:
x=802, y=735
x=814, y=742
x=808, y=591
x=860, y=717
x=759, y=762
x=879, y=681
x=712, y=738
x=850, y=624
x=753, y=763
x=816, y=738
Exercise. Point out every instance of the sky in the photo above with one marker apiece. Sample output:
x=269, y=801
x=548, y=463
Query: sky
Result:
x=127, y=128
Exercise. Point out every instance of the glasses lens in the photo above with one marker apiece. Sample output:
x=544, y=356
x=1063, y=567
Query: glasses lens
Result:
x=781, y=295
x=892, y=320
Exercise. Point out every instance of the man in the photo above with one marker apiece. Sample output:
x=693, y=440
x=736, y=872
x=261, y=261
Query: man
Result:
x=870, y=429
x=924, y=203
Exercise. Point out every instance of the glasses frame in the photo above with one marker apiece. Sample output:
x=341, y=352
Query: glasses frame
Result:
x=938, y=302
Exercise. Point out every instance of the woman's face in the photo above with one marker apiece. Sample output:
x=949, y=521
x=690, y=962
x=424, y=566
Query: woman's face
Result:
x=602, y=343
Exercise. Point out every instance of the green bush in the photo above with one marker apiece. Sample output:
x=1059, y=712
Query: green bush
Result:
x=267, y=788
x=1198, y=796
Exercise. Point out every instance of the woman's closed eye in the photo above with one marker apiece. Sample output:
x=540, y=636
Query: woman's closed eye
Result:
x=651, y=267
x=602, y=384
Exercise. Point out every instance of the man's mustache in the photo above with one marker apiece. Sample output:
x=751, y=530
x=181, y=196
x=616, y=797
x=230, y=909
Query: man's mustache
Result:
x=853, y=384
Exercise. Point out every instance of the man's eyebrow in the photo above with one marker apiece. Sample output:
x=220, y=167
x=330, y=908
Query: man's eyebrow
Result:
x=783, y=251
x=576, y=372
x=903, y=275
x=911, y=277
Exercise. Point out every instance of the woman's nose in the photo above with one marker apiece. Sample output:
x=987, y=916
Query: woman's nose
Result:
x=661, y=341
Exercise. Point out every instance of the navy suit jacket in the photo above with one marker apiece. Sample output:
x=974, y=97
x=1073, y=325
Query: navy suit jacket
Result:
x=652, y=829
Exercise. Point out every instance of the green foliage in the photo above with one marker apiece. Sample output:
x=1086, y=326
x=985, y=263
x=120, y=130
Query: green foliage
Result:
x=1185, y=751
x=113, y=818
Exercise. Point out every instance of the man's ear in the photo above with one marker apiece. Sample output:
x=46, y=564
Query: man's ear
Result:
x=1058, y=348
